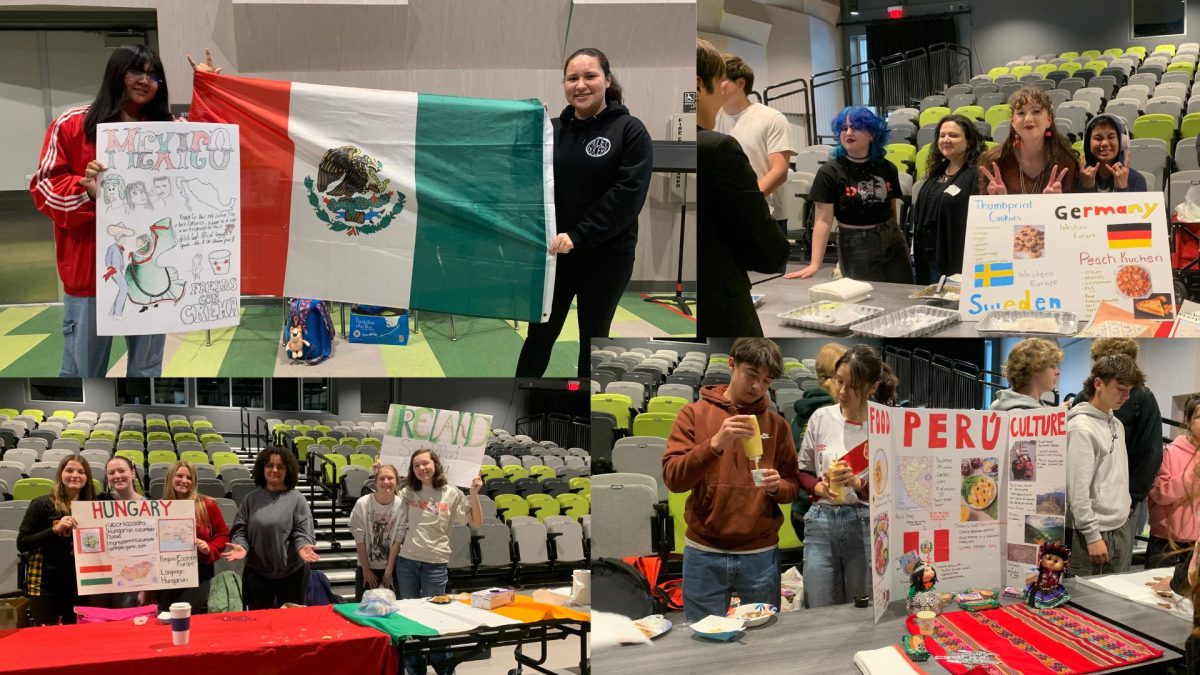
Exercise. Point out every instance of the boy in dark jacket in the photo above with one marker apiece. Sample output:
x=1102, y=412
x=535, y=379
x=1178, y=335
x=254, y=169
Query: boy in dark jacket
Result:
x=735, y=230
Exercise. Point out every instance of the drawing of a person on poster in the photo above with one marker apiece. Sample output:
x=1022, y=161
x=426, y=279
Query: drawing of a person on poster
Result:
x=171, y=193
x=149, y=282
x=114, y=263
x=113, y=187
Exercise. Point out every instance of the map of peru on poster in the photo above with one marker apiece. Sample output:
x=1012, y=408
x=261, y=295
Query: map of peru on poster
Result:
x=1068, y=252
x=972, y=492
x=168, y=228
x=129, y=546
x=458, y=438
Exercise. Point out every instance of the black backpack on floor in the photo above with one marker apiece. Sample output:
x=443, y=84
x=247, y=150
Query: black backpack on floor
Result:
x=621, y=588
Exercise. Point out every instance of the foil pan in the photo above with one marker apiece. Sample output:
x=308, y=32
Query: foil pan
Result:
x=909, y=322
x=829, y=316
x=1028, y=322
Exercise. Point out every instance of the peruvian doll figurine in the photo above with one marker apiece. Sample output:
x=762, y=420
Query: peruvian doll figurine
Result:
x=1045, y=589
x=921, y=593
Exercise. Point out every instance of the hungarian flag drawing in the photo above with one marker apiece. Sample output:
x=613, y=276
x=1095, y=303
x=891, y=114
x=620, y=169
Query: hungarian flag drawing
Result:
x=391, y=198
x=95, y=575
x=1129, y=235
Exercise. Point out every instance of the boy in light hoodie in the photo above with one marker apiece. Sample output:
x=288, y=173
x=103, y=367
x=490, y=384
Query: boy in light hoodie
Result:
x=1098, y=469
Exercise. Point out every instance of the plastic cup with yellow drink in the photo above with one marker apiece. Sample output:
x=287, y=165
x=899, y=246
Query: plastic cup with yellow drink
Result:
x=836, y=491
x=752, y=446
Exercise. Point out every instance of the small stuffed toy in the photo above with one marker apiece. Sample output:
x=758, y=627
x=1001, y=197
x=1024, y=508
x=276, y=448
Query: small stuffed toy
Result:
x=296, y=343
x=1045, y=589
x=922, y=594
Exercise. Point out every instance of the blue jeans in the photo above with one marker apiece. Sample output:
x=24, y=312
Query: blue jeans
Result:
x=710, y=579
x=416, y=579
x=837, y=554
x=86, y=354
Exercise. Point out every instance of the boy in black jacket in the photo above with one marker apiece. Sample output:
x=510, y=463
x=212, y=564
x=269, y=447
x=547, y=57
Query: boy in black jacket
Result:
x=736, y=232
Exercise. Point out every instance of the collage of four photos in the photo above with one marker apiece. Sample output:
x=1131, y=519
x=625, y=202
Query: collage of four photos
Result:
x=489, y=340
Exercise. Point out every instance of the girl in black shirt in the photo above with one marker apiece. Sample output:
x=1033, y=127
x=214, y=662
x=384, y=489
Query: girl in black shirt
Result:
x=46, y=533
x=940, y=209
x=602, y=165
x=859, y=188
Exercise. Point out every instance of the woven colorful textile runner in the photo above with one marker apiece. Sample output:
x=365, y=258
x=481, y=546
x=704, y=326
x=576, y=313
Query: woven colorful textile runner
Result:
x=1035, y=641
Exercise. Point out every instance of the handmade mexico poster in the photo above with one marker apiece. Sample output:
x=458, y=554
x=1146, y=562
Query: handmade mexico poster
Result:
x=168, y=228
x=1067, y=253
x=137, y=545
x=458, y=438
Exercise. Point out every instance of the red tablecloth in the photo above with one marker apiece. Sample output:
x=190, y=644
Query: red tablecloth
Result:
x=282, y=641
x=1035, y=641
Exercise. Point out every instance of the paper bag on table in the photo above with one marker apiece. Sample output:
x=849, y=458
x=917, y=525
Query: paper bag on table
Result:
x=792, y=585
x=581, y=587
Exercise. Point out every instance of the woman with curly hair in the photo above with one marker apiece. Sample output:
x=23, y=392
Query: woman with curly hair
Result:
x=1032, y=369
x=859, y=188
x=940, y=208
x=1035, y=158
x=273, y=533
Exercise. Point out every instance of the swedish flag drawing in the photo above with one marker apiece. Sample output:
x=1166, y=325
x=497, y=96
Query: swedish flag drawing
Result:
x=993, y=274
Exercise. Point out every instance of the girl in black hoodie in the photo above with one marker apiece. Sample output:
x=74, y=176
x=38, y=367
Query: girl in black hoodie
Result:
x=602, y=164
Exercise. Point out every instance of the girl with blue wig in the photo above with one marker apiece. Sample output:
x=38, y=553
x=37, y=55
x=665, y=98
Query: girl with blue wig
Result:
x=859, y=188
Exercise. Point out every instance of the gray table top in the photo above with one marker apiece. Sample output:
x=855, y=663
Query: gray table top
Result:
x=785, y=294
x=824, y=640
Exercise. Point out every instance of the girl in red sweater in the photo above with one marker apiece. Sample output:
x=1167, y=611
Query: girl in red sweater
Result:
x=211, y=536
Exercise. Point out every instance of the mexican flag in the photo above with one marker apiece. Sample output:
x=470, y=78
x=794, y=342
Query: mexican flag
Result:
x=391, y=198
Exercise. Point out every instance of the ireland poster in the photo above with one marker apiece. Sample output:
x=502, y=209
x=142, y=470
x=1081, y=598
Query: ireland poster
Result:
x=168, y=228
x=458, y=438
x=129, y=546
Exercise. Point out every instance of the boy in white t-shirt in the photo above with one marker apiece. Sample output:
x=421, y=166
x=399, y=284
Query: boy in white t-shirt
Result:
x=763, y=132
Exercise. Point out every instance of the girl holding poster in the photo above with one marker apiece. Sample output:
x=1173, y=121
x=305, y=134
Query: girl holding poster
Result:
x=120, y=480
x=837, y=547
x=211, y=537
x=47, y=533
x=64, y=189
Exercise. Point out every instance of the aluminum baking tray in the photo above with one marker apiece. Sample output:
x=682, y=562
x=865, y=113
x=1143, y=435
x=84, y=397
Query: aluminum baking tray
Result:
x=912, y=321
x=1028, y=322
x=929, y=294
x=829, y=316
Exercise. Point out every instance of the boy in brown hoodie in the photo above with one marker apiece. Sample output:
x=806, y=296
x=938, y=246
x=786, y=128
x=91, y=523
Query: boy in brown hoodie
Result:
x=732, y=543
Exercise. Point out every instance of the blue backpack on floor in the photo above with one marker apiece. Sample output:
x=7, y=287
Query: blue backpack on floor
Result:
x=319, y=590
x=314, y=341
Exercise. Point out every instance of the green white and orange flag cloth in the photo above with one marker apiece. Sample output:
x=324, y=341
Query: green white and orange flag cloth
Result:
x=391, y=198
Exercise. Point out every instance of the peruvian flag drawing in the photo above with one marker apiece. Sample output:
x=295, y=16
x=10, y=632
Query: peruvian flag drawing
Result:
x=391, y=198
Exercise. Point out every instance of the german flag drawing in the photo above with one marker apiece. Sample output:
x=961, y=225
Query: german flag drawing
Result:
x=1129, y=235
x=993, y=274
